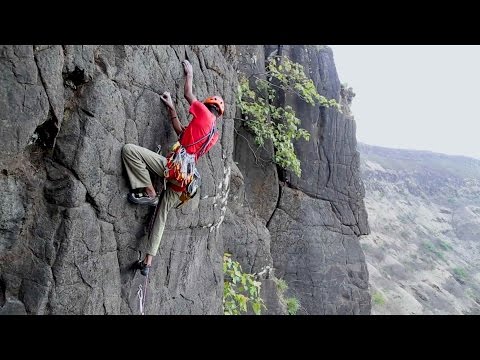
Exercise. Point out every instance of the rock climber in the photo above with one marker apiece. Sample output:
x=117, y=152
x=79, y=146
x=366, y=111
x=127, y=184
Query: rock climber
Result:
x=178, y=168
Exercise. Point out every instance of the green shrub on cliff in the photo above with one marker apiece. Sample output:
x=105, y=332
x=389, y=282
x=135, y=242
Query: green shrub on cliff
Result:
x=239, y=289
x=292, y=304
x=268, y=121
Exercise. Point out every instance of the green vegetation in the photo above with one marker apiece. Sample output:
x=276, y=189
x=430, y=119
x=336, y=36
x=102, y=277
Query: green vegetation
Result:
x=281, y=285
x=292, y=303
x=378, y=298
x=460, y=273
x=278, y=124
x=431, y=248
x=451, y=201
x=444, y=245
x=239, y=289
x=404, y=218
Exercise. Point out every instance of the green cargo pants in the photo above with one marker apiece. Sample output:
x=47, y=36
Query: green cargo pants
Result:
x=138, y=161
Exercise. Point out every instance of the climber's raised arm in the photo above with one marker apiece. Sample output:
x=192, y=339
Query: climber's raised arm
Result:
x=188, y=93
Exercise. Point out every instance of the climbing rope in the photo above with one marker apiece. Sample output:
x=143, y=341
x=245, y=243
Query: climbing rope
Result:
x=142, y=296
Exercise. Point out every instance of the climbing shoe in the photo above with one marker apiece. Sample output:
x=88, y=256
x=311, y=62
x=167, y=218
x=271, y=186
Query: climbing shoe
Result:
x=144, y=268
x=142, y=199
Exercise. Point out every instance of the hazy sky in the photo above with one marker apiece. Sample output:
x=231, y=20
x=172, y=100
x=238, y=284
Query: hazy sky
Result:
x=414, y=96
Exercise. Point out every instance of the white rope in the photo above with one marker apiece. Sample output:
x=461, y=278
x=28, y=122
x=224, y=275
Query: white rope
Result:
x=145, y=295
x=140, y=298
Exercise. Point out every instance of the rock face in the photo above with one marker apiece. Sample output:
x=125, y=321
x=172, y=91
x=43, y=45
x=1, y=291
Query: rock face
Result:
x=313, y=222
x=68, y=236
x=424, y=212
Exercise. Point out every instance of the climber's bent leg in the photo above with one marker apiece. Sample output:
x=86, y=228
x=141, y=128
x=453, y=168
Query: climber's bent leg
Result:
x=136, y=160
x=169, y=199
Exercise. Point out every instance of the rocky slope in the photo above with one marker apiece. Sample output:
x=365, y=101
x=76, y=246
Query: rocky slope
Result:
x=68, y=235
x=423, y=252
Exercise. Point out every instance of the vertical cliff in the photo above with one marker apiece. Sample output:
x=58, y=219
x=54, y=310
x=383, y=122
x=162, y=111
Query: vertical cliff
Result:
x=68, y=236
x=313, y=222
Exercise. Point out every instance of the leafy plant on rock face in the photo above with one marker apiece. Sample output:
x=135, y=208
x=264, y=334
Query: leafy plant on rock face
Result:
x=239, y=289
x=278, y=124
x=378, y=298
x=460, y=273
x=292, y=303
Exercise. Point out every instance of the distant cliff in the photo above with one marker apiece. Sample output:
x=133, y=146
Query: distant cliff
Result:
x=68, y=236
x=424, y=213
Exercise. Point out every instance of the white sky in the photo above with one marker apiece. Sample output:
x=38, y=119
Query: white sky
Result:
x=421, y=97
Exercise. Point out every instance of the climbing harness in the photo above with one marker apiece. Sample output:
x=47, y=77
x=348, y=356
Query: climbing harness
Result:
x=181, y=167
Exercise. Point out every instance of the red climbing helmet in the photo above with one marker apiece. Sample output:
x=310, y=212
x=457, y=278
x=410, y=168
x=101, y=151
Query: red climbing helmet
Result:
x=216, y=100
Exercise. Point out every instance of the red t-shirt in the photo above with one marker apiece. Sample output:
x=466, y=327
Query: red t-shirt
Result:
x=199, y=127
